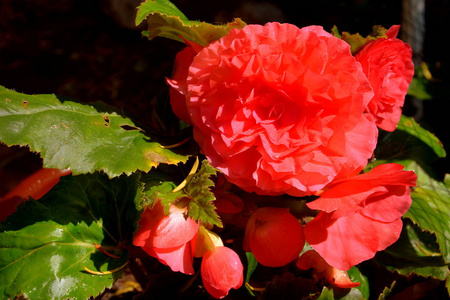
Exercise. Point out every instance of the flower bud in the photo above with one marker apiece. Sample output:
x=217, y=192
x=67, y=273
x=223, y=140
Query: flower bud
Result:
x=274, y=236
x=221, y=270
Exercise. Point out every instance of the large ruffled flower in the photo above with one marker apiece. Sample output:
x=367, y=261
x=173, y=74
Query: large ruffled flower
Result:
x=360, y=215
x=388, y=65
x=276, y=108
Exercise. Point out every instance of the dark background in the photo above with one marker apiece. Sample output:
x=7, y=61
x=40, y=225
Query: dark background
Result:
x=91, y=50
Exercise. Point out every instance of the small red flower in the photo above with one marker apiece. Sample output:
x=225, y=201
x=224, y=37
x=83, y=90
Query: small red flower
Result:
x=360, y=215
x=169, y=238
x=274, y=236
x=221, y=271
x=388, y=65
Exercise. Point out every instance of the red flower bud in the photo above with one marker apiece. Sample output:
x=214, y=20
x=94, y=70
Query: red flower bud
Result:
x=221, y=270
x=274, y=236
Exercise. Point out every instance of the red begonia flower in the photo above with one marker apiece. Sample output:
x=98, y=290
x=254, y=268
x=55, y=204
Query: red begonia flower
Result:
x=221, y=271
x=228, y=203
x=169, y=238
x=158, y=230
x=387, y=62
x=311, y=259
x=360, y=215
x=274, y=236
x=276, y=108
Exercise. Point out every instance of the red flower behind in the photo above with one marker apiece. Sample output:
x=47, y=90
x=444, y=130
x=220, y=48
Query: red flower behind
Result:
x=276, y=108
x=360, y=215
x=35, y=186
x=388, y=65
x=274, y=236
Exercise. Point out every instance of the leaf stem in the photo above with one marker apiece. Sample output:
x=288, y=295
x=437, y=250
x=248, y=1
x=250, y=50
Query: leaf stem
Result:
x=106, y=272
x=188, y=177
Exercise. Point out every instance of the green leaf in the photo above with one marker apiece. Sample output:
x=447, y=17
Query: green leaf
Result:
x=410, y=126
x=356, y=41
x=386, y=291
x=159, y=187
x=327, y=294
x=86, y=138
x=417, y=149
x=197, y=194
x=199, y=190
x=409, y=144
x=418, y=89
x=416, y=252
x=252, y=263
x=447, y=285
x=356, y=276
x=158, y=6
x=166, y=20
x=430, y=209
x=46, y=244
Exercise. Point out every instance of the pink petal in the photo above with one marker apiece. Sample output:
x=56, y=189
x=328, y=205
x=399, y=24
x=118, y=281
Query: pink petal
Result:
x=160, y=231
x=347, y=241
x=179, y=259
x=389, y=206
x=383, y=194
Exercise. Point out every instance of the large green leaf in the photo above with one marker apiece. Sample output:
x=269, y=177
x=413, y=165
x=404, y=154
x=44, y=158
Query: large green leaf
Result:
x=408, y=144
x=164, y=19
x=430, y=209
x=417, y=149
x=46, y=244
x=84, y=137
x=416, y=252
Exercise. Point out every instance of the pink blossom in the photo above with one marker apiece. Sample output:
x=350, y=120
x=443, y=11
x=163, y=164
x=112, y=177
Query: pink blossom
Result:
x=169, y=238
x=360, y=215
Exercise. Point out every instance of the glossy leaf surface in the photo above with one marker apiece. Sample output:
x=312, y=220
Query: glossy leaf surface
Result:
x=84, y=137
x=47, y=244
